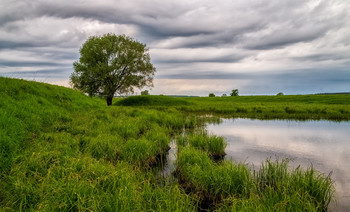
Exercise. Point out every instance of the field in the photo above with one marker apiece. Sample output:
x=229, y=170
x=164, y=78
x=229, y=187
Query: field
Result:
x=62, y=150
x=298, y=107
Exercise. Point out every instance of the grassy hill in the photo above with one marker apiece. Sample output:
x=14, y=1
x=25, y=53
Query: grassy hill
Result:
x=29, y=108
x=62, y=150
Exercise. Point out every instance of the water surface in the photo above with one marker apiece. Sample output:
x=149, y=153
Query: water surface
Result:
x=323, y=144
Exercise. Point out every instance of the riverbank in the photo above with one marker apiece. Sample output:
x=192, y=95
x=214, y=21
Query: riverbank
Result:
x=62, y=150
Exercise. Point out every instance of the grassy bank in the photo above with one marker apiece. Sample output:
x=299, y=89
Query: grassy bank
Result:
x=233, y=187
x=62, y=150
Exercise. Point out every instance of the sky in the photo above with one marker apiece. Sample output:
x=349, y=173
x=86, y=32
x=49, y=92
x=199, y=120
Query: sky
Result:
x=260, y=47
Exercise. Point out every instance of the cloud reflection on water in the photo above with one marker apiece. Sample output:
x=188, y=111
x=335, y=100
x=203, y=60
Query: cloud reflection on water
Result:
x=323, y=144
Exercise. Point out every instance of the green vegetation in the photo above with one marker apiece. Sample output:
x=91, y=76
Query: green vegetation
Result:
x=145, y=92
x=153, y=101
x=232, y=187
x=110, y=64
x=63, y=150
x=298, y=107
x=212, y=144
x=234, y=92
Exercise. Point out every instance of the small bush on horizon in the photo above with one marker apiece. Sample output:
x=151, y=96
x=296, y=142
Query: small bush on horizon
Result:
x=145, y=92
x=234, y=92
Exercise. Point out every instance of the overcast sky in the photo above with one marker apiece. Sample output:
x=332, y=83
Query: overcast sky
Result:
x=197, y=46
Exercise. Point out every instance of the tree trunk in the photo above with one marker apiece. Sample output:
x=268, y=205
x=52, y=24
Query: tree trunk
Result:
x=109, y=100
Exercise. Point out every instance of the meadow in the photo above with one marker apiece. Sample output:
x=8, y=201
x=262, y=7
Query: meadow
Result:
x=61, y=150
x=297, y=107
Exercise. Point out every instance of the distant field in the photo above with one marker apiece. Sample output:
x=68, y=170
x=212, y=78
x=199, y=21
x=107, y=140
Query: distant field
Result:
x=300, y=107
x=61, y=150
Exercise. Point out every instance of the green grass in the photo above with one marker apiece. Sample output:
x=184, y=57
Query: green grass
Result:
x=62, y=150
x=299, y=107
x=214, y=180
x=148, y=100
x=233, y=187
x=212, y=144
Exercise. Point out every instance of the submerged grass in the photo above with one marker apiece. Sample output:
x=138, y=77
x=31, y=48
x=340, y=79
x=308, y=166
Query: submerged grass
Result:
x=62, y=150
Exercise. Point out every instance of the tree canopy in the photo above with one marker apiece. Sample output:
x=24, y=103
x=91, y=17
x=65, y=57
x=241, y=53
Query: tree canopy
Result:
x=234, y=92
x=111, y=64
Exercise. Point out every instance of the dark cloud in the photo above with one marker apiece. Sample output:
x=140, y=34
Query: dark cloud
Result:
x=283, y=75
x=282, y=39
x=28, y=63
x=40, y=72
x=280, y=43
x=183, y=61
x=302, y=82
x=209, y=76
x=50, y=75
x=322, y=57
x=4, y=44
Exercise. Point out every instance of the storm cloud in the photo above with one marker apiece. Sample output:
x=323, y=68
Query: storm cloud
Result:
x=259, y=47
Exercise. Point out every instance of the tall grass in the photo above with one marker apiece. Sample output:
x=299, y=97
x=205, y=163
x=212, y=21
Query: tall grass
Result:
x=212, y=144
x=84, y=183
x=232, y=187
x=216, y=180
x=309, y=184
x=62, y=150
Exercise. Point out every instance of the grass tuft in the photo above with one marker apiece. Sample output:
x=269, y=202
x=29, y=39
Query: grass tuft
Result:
x=212, y=144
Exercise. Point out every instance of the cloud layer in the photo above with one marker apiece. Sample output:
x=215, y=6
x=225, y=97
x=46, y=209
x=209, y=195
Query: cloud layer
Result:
x=197, y=46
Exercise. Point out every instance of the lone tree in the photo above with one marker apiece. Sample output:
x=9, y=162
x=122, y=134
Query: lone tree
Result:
x=234, y=92
x=111, y=64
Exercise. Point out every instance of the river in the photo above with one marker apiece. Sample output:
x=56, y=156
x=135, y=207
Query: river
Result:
x=323, y=144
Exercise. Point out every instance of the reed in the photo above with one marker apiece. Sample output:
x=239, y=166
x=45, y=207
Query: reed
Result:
x=212, y=144
x=229, y=187
x=212, y=181
x=309, y=183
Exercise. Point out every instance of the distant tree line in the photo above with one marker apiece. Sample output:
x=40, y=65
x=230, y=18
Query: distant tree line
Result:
x=234, y=92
